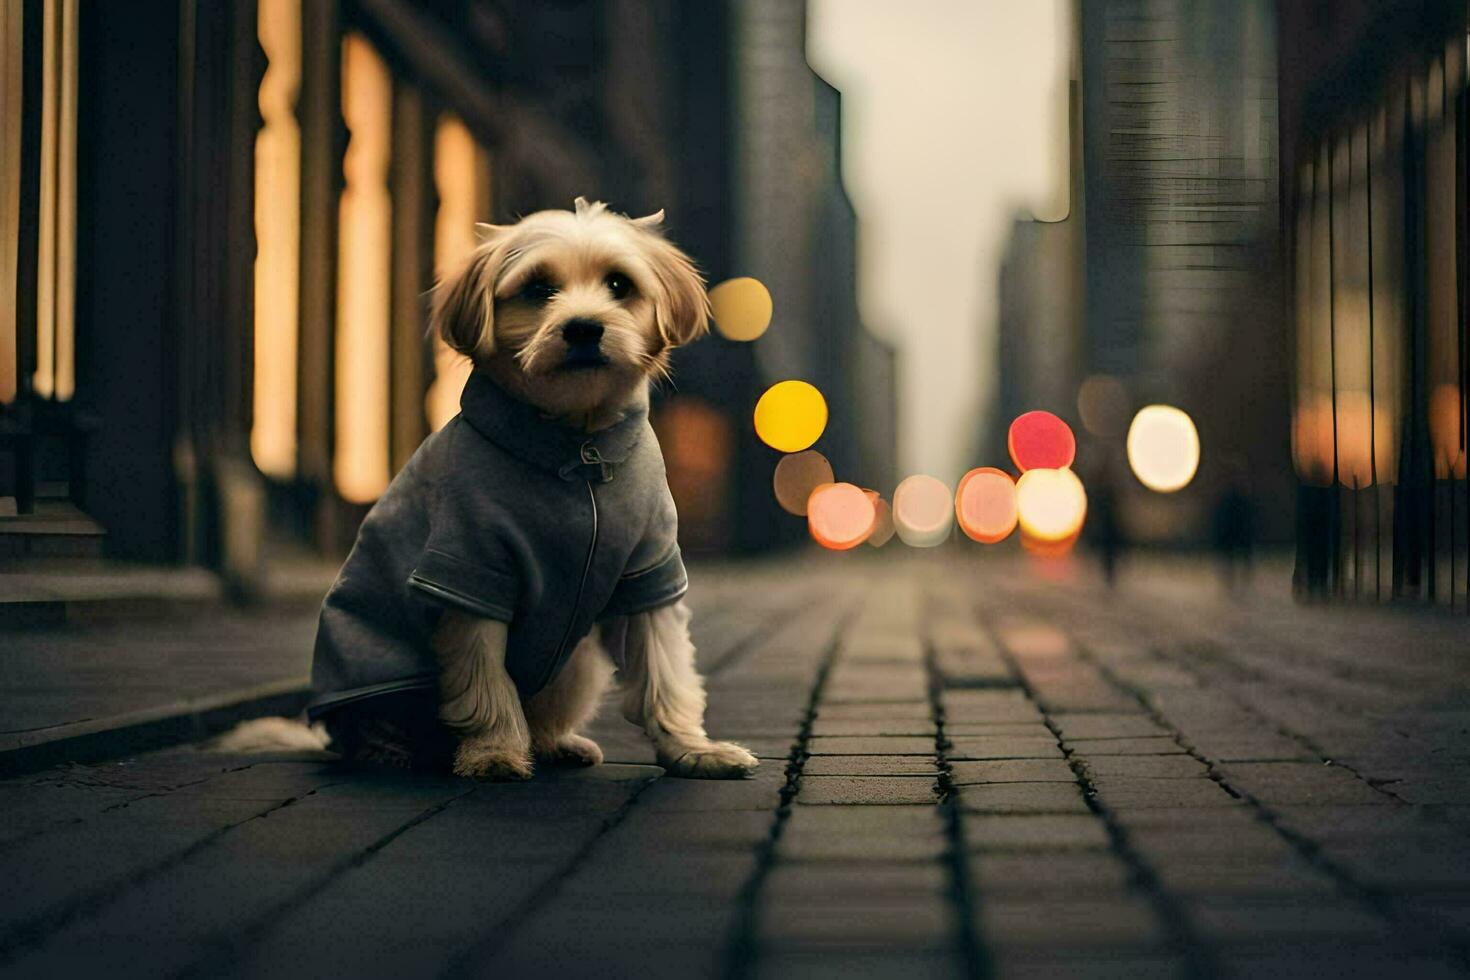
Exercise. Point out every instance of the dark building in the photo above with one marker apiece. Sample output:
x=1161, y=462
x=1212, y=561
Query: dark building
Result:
x=1182, y=296
x=1163, y=280
x=1039, y=307
x=796, y=232
x=1374, y=196
x=212, y=329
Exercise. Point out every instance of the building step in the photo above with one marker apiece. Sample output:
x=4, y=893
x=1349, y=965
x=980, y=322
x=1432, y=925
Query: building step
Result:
x=50, y=591
x=55, y=529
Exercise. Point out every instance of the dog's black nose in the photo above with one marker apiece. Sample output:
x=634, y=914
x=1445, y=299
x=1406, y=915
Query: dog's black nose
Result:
x=581, y=331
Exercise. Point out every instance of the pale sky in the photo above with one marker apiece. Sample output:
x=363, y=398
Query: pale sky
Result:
x=954, y=117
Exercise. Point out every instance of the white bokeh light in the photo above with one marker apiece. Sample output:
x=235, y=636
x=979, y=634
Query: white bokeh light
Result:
x=1163, y=448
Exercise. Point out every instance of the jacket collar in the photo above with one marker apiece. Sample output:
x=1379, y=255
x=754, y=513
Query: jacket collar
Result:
x=523, y=430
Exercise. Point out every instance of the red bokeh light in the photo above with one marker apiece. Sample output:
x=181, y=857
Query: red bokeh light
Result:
x=1040, y=440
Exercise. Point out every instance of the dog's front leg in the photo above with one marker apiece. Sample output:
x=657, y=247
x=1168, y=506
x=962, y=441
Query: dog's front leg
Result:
x=479, y=701
x=665, y=694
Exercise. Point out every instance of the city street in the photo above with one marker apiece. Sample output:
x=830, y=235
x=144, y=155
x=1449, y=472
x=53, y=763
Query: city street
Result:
x=968, y=769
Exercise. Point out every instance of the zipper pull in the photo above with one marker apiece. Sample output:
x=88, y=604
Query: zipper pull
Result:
x=592, y=457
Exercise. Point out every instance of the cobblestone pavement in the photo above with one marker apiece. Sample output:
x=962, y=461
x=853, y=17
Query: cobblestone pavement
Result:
x=968, y=771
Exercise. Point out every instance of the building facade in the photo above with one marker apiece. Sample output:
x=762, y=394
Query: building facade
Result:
x=1182, y=286
x=1373, y=166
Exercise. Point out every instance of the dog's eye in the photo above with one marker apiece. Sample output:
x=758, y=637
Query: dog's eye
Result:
x=618, y=285
x=538, y=290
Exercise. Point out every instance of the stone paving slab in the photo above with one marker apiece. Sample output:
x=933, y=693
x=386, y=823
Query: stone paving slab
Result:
x=1049, y=832
x=975, y=747
x=798, y=880
x=965, y=773
x=870, y=790
x=870, y=765
x=1057, y=874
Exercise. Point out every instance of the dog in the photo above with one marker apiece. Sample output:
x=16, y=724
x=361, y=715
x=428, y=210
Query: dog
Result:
x=527, y=552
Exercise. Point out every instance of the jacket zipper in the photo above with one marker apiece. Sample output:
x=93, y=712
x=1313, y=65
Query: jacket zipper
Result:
x=591, y=456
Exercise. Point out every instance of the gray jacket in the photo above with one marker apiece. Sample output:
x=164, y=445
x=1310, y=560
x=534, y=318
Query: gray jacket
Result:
x=508, y=515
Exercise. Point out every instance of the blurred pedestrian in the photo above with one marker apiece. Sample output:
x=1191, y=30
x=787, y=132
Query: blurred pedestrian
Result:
x=1235, y=530
x=1102, y=519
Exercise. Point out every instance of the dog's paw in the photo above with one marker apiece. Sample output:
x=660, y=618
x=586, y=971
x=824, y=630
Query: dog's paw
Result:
x=709, y=760
x=491, y=760
x=571, y=750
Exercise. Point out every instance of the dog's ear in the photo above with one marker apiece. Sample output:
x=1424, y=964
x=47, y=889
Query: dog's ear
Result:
x=650, y=222
x=463, y=310
x=682, y=309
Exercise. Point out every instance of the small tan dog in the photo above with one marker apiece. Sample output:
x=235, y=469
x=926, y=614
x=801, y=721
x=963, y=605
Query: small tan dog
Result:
x=529, y=546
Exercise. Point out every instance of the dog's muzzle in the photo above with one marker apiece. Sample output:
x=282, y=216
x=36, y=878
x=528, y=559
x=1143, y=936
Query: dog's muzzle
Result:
x=583, y=337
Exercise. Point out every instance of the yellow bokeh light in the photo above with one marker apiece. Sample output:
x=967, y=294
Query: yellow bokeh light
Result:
x=923, y=511
x=1050, y=504
x=742, y=308
x=796, y=476
x=1163, y=448
x=790, y=416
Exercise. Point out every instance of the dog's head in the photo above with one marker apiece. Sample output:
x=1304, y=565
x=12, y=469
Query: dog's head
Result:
x=573, y=310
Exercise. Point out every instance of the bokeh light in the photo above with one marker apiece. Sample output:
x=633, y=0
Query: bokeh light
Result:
x=1102, y=404
x=922, y=511
x=1163, y=448
x=1040, y=440
x=797, y=475
x=742, y=308
x=883, y=526
x=985, y=505
x=790, y=416
x=840, y=516
x=1050, y=504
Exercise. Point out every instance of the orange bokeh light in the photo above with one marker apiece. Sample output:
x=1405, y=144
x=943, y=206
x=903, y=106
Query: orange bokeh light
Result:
x=840, y=516
x=1040, y=440
x=985, y=505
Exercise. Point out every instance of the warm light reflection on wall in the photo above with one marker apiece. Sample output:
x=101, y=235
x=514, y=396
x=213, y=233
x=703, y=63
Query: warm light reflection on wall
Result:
x=278, y=241
x=1447, y=424
x=698, y=448
x=11, y=15
x=1363, y=448
x=461, y=178
x=360, y=458
x=55, y=375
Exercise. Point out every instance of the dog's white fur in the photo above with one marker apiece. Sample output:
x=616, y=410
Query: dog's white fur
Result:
x=505, y=308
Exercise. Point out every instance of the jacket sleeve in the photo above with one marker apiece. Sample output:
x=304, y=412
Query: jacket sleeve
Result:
x=474, y=557
x=655, y=574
